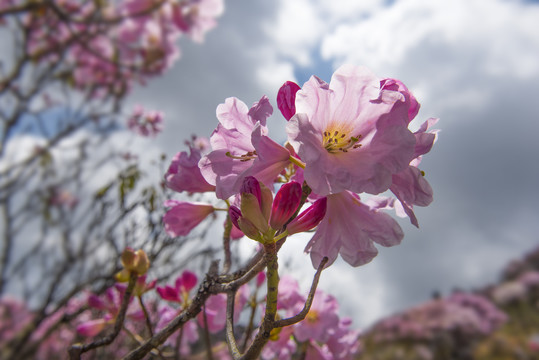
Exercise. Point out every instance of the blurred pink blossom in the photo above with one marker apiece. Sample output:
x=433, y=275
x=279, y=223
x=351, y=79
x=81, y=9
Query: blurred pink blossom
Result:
x=145, y=123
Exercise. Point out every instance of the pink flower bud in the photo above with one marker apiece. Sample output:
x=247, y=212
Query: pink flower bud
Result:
x=286, y=202
x=286, y=99
x=251, y=211
x=234, y=214
x=250, y=230
x=309, y=218
x=251, y=186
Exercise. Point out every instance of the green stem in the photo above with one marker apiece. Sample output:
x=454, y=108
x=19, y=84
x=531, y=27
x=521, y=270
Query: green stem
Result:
x=280, y=236
x=272, y=280
x=296, y=161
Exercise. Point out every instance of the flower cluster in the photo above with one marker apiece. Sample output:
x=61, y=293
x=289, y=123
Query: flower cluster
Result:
x=145, y=122
x=348, y=142
x=108, y=46
x=464, y=314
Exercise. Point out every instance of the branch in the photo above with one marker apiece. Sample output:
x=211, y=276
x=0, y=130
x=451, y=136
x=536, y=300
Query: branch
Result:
x=204, y=292
x=303, y=313
x=76, y=350
x=230, y=339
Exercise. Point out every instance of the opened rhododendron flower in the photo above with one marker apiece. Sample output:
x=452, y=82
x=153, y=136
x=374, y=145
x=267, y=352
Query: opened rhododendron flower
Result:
x=352, y=134
x=241, y=147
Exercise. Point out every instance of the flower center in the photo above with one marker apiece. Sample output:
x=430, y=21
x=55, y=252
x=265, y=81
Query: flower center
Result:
x=312, y=316
x=335, y=141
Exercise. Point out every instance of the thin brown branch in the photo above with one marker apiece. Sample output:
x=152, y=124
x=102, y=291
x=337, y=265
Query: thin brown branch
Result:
x=206, y=333
x=204, y=292
x=230, y=338
x=303, y=313
x=76, y=350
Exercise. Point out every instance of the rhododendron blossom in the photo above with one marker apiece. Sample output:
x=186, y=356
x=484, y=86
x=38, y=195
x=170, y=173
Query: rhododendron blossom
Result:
x=321, y=321
x=351, y=134
x=241, y=147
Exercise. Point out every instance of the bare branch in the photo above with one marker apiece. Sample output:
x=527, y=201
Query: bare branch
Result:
x=303, y=313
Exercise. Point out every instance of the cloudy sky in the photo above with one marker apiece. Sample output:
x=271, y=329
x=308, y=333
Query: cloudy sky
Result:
x=472, y=63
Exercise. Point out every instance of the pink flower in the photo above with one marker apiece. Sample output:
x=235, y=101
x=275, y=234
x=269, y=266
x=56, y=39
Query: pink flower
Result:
x=343, y=342
x=145, y=123
x=182, y=217
x=351, y=134
x=283, y=347
x=322, y=319
x=350, y=227
x=286, y=99
x=289, y=296
x=241, y=148
x=180, y=292
x=184, y=173
x=215, y=309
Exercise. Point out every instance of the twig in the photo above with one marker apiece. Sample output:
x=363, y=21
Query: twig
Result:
x=303, y=313
x=230, y=338
x=206, y=333
x=76, y=350
x=226, y=245
x=204, y=292
x=146, y=315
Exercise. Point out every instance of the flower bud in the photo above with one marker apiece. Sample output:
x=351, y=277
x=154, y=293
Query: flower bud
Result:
x=286, y=99
x=250, y=230
x=142, y=264
x=128, y=258
x=234, y=214
x=251, y=185
x=309, y=218
x=250, y=209
x=133, y=261
x=285, y=204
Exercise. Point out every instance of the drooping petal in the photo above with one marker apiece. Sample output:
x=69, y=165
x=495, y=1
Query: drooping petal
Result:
x=351, y=228
x=183, y=217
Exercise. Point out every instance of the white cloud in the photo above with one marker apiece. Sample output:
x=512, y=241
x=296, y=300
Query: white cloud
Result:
x=503, y=32
x=296, y=30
